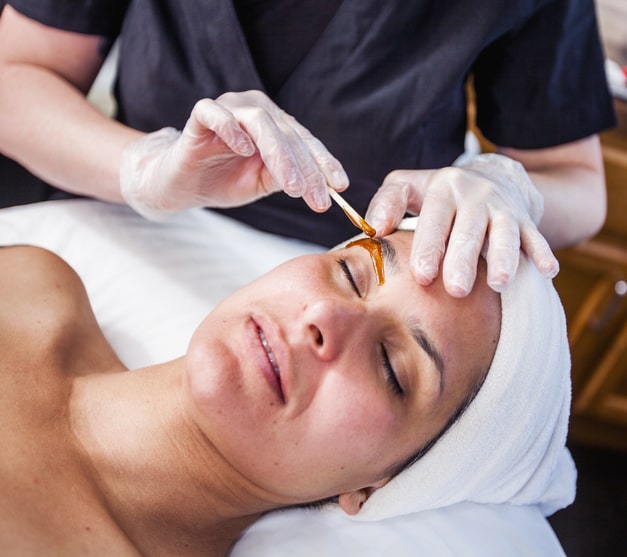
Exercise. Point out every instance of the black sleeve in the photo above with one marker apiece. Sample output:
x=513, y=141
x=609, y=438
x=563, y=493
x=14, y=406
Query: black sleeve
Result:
x=92, y=17
x=544, y=83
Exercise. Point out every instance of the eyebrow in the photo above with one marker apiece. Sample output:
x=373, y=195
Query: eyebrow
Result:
x=429, y=348
x=391, y=263
x=390, y=257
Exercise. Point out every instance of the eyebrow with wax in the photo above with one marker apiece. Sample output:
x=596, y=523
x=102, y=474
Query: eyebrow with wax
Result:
x=390, y=258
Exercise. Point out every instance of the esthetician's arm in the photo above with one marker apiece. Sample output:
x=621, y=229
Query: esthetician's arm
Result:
x=46, y=123
x=242, y=142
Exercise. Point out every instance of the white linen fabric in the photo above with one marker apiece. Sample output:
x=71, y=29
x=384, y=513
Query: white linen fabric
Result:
x=150, y=286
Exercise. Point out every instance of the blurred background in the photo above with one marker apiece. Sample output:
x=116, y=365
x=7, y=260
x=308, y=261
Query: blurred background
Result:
x=593, y=286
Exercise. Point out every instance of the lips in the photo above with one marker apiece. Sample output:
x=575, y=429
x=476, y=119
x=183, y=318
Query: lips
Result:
x=269, y=353
x=271, y=369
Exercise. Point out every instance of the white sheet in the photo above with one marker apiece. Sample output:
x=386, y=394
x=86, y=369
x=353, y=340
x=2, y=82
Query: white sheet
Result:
x=151, y=284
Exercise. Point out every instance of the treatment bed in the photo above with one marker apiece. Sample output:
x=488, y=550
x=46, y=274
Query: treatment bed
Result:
x=151, y=284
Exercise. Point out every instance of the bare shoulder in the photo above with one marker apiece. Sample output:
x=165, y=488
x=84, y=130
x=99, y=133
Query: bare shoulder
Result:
x=23, y=261
x=45, y=314
x=35, y=280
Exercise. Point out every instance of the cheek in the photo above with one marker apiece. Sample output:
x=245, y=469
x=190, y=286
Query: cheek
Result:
x=356, y=423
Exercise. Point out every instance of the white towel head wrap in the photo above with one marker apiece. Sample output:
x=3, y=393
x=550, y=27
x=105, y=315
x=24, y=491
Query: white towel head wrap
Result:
x=509, y=444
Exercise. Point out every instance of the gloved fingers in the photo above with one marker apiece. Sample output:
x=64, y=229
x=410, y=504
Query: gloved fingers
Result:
x=331, y=168
x=388, y=207
x=315, y=194
x=503, y=251
x=402, y=192
x=431, y=235
x=207, y=114
x=298, y=162
x=516, y=207
x=245, y=127
x=466, y=239
x=276, y=152
x=288, y=158
x=331, y=171
x=513, y=179
x=535, y=245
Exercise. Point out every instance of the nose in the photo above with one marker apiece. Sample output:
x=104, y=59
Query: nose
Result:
x=330, y=324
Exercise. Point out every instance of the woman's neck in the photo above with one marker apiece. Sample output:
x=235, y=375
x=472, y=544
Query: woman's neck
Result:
x=160, y=477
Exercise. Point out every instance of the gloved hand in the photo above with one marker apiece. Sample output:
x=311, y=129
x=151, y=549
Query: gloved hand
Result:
x=232, y=151
x=486, y=204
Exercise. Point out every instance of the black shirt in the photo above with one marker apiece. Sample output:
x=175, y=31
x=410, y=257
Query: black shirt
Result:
x=281, y=33
x=380, y=83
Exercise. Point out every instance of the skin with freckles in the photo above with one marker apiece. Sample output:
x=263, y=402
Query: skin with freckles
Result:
x=327, y=336
x=313, y=381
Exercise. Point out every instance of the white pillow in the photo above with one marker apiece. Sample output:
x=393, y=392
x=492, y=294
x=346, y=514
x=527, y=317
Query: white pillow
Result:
x=151, y=284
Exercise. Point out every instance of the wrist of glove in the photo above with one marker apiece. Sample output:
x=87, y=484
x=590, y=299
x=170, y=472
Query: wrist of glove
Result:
x=141, y=174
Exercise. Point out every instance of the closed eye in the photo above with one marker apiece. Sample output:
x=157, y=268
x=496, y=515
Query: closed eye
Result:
x=349, y=275
x=390, y=374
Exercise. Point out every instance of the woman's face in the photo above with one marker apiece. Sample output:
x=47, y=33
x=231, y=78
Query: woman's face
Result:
x=314, y=381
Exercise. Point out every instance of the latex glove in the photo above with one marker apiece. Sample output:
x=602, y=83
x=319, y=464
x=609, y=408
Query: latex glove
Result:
x=232, y=150
x=488, y=205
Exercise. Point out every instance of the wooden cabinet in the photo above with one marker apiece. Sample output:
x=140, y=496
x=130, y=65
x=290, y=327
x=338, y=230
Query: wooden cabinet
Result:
x=593, y=286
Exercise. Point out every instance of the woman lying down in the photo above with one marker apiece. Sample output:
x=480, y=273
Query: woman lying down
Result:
x=313, y=382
